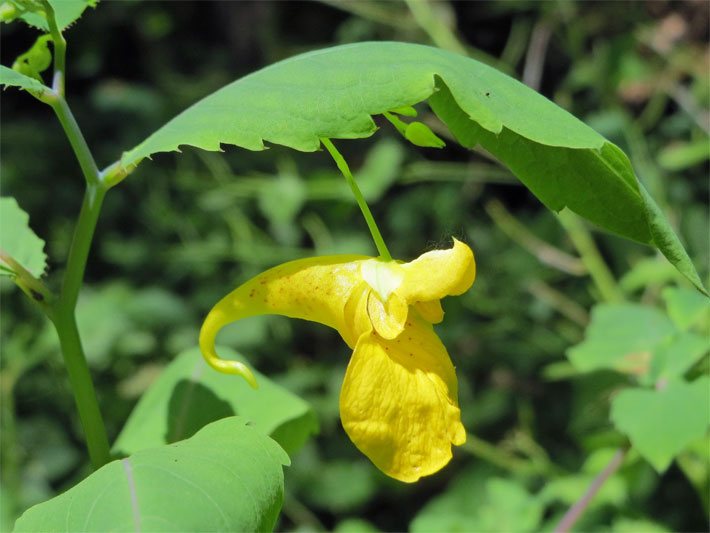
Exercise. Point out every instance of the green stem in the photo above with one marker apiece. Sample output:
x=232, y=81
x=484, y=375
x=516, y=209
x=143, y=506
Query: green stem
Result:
x=60, y=50
x=79, y=250
x=76, y=139
x=371, y=224
x=63, y=310
x=399, y=125
x=83, y=389
x=592, y=259
x=64, y=319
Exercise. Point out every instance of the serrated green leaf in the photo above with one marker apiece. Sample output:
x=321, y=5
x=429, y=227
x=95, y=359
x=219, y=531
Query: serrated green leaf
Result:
x=65, y=13
x=190, y=394
x=334, y=92
x=228, y=477
x=662, y=423
x=19, y=241
x=12, y=78
x=685, y=307
x=293, y=102
x=621, y=337
x=12, y=10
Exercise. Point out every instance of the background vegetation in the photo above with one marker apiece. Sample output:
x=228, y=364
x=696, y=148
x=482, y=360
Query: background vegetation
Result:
x=182, y=231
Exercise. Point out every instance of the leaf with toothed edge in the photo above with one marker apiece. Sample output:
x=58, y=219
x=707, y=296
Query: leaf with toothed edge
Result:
x=228, y=477
x=333, y=93
x=12, y=78
x=19, y=242
x=66, y=12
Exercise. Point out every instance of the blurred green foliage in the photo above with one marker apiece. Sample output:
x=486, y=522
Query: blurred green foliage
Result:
x=183, y=230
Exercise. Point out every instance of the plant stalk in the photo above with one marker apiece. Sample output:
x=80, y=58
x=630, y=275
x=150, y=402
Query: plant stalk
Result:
x=590, y=256
x=64, y=319
x=574, y=512
x=76, y=139
x=61, y=310
x=60, y=50
x=371, y=224
x=64, y=308
x=83, y=389
x=79, y=250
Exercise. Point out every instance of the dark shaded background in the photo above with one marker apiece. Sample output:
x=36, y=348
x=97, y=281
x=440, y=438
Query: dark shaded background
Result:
x=183, y=230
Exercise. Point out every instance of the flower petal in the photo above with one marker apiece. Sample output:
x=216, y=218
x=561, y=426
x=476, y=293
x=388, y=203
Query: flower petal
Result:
x=438, y=273
x=383, y=276
x=387, y=318
x=316, y=289
x=398, y=403
x=431, y=311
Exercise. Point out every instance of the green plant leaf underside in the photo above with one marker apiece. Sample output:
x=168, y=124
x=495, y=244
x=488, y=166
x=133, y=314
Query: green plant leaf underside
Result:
x=334, y=92
x=228, y=477
x=190, y=394
x=19, y=241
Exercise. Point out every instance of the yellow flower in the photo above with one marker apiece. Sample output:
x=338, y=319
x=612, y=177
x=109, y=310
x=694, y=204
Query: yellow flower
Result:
x=399, y=402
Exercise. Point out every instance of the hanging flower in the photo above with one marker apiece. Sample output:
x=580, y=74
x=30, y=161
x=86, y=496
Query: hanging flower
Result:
x=399, y=401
